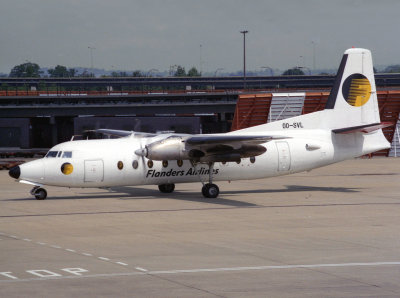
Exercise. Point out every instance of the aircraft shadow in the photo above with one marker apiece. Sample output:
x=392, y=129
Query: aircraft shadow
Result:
x=134, y=193
x=297, y=188
x=179, y=195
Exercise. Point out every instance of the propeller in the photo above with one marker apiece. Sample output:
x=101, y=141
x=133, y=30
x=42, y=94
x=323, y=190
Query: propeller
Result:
x=142, y=152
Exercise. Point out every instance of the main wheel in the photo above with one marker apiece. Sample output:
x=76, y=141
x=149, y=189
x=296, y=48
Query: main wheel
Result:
x=167, y=188
x=40, y=194
x=210, y=190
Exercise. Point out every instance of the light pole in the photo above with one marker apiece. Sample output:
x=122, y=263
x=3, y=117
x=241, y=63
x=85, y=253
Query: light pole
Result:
x=201, y=59
x=302, y=61
x=218, y=69
x=244, y=57
x=314, y=45
x=91, y=57
x=172, y=69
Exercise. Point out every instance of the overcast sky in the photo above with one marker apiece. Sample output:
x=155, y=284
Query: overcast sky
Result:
x=154, y=34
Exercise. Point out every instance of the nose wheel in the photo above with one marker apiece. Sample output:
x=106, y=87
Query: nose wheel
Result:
x=39, y=193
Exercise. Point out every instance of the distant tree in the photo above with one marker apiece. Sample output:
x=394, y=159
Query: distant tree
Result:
x=392, y=69
x=137, y=73
x=180, y=72
x=26, y=70
x=193, y=72
x=61, y=72
x=295, y=71
x=86, y=74
x=119, y=74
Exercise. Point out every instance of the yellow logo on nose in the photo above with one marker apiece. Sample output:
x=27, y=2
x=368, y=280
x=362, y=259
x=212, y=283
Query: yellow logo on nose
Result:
x=67, y=168
x=356, y=90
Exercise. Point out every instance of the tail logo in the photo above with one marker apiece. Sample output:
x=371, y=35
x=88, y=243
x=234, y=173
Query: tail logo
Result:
x=356, y=90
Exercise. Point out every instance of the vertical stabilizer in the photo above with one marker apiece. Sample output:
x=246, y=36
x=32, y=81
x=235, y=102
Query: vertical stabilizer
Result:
x=353, y=97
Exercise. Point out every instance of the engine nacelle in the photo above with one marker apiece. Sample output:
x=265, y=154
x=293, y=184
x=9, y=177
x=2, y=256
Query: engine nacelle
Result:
x=172, y=148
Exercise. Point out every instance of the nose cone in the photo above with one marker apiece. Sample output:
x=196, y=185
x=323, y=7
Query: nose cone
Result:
x=15, y=172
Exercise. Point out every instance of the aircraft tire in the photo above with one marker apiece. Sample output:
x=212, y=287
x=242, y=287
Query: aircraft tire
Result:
x=166, y=188
x=40, y=194
x=210, y=191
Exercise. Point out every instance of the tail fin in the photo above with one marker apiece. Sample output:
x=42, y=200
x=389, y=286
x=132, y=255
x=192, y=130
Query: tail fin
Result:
x=353, y=98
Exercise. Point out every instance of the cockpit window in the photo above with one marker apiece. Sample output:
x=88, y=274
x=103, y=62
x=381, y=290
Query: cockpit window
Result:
x=59, y=154
x=52, y=154
x=67, y=154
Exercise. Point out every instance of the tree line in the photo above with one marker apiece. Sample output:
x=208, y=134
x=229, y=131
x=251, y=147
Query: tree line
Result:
x=33, y=70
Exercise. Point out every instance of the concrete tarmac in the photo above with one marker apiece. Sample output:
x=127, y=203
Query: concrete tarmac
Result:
x=331, y=232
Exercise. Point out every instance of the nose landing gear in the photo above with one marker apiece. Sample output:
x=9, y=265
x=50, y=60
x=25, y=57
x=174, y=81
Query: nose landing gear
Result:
x=39, y=193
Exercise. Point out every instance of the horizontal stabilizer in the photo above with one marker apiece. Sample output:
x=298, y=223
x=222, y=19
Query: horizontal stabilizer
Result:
x=362, y=128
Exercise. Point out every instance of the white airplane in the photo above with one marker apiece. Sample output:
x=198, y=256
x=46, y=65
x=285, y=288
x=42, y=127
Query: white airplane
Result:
x=348, y=127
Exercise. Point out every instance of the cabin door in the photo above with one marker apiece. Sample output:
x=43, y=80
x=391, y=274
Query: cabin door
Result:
x=283, y=156
x=94, y=170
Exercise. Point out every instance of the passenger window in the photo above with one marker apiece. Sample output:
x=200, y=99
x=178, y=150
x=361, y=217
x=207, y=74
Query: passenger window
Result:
x=67, y=154
x=52, y=154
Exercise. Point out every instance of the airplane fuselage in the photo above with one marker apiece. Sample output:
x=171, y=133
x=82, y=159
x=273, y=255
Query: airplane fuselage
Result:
x=112, y=162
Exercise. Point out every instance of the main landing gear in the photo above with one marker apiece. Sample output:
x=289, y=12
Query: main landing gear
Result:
x=39, y=193
x=210, y=190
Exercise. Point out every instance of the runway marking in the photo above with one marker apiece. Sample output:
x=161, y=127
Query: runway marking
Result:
x=184, y=271
x=274, y=267
x=141, y=269
x=8, y=274
x=66, y=249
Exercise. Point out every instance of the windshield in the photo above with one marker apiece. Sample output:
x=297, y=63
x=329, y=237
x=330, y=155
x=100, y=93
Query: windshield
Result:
x=67, y=154
x=52, y=154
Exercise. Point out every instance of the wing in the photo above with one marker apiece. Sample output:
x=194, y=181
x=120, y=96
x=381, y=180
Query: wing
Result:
x=122, y=133
x=114, y=132
x=230, y=139
x=224, y=148
x=206, y=148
